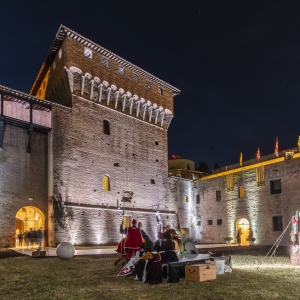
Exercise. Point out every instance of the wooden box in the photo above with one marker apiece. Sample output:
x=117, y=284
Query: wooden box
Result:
x=39, y=254
x=202, y=272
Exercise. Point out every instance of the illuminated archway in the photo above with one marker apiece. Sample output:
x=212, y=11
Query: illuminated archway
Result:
x=243, y=225
x=27, y=218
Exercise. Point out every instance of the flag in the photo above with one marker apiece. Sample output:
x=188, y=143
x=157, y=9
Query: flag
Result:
x=276, y=147
x=258, y=155
x=299, y=141
x=241, y=159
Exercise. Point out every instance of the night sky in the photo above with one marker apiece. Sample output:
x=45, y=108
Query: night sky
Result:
x=236, y=62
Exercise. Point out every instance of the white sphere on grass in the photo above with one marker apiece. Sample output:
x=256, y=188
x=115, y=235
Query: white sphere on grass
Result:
x=65, y=250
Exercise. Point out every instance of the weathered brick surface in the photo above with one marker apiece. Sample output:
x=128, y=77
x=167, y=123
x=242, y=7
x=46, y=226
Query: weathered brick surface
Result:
x=83, y=154
x=258, y=206
x=22, y=176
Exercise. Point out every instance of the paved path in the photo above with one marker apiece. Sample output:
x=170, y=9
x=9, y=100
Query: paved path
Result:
x=52, y=251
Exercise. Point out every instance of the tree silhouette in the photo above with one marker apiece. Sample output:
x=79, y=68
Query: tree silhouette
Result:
x=216, y=166
x=203, y=167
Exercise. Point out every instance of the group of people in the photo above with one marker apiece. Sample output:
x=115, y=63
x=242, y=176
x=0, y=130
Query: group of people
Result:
x=239, y=235
x=31, y=238
x=151, y=256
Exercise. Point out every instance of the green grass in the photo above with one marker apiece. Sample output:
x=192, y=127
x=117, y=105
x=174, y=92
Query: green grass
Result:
x=94, y=277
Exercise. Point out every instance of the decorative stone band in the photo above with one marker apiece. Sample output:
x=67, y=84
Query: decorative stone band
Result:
x=110, y=95
x=105, y=207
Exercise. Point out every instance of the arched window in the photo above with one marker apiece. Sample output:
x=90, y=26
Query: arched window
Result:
x=106, y=183
x=106, y=127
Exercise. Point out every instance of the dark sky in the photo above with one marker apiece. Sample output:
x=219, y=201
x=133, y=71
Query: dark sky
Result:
x=236, y=62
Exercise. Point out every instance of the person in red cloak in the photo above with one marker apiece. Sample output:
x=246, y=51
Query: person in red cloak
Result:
x=133, y=239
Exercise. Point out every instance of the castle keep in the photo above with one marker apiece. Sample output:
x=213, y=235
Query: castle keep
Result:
x=88, y=148
x=103, y=151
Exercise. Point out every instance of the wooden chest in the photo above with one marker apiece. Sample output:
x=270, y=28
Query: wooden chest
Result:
x=202, y=272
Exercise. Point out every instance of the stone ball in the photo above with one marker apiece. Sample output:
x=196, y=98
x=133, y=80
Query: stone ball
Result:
x=65, y=250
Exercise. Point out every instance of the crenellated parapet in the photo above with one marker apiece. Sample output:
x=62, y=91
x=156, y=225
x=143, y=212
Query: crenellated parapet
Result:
x=104, y=93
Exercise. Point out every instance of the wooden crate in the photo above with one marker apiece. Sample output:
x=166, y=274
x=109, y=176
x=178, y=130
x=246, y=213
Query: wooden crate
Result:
x=38, y=254
x=201, y=272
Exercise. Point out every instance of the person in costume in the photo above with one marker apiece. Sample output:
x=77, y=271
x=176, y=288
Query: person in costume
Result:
x=179, y=246
x=293, y=238
x=133, y=238
x=121, y=251
x=239, y=236
x=166, y=248
x=148, y=268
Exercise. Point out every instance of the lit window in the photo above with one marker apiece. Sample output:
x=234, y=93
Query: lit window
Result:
x=277, y=223
x=106, y=127
x=105, y=62
x=135, y=78
x=59, y=53
x=275, y=186
x=241, y=192
x=197, y=199
x=148, y=84
x=106, y=183
x=121, y=70
x=219, y=221
x=185, y=198
x=160, y=91
x=88, y=52
x=218, y=195
x=209, y=222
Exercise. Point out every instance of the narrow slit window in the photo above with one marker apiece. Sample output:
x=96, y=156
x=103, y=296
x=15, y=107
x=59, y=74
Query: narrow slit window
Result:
x=106, y=183
x=185, y=198
x=197, y=199
x=277, y=223
x=106, y=127
x=218, y=195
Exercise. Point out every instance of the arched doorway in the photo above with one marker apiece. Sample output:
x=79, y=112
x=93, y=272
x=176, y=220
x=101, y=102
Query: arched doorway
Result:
x=243, y=225
x=27, y=218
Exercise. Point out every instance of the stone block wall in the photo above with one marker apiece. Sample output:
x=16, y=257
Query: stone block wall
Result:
x=259, y=206
x=22, y=176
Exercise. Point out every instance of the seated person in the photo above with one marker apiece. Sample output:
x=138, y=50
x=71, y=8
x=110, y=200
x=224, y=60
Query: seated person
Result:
x=166, y=248
x=179, y=246
x=148, y=268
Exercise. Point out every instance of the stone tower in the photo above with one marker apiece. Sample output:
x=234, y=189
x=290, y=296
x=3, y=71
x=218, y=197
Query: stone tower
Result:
x=108, y=152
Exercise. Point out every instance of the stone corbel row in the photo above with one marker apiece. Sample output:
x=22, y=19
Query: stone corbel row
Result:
x=102, y=92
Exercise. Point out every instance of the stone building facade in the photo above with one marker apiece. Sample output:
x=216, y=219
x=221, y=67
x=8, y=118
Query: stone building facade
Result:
x=261, y=195
x=87, y=149
x=105, y=155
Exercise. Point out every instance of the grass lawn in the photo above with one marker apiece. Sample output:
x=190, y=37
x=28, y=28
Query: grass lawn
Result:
x=94, y=277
